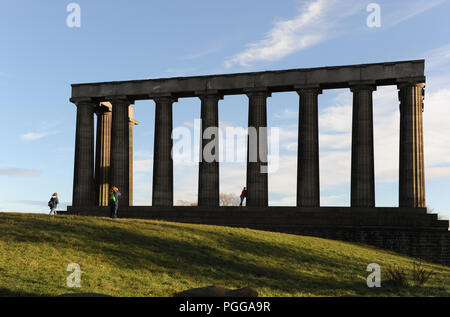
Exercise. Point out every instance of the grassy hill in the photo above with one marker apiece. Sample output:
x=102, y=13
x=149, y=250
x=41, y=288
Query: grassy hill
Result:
x=151, y=258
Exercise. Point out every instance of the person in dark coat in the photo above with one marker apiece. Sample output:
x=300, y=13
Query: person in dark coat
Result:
x=114, y=201
x=243, y=195
x=53, y=203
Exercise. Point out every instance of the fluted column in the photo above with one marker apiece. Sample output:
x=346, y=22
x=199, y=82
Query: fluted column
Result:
x=362, y=170
x=411, y=169
x=83, y=179
x=162, y=159
x=120, y=160
x=103, y=153
x=308, y=186
x=257, y=167
x=208, y=179
x=131, y=124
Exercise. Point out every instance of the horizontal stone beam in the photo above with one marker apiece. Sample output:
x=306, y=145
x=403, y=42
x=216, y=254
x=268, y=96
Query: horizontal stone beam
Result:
x=379, y=74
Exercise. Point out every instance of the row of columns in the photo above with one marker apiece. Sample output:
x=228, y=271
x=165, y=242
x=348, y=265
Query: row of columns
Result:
x=113, y=163
x=113, y=152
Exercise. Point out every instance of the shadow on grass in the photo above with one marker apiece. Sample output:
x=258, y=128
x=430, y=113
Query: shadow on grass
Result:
x=4, y=292
x=238, y=261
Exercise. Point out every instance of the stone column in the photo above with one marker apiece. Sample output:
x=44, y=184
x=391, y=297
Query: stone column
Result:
x=83, y=178
x=120, y=160
x=208, y=179
x=362, y=170
x=257, y=167
x=411, y=171
x=308, y=186
x=131, y=124
x=162, y=156
x=103, y=153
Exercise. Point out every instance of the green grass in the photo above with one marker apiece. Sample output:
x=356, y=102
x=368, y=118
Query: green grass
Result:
x=152, y=258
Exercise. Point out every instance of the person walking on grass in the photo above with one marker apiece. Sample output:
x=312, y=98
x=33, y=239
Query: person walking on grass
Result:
x=114, y=201
x=53, y=203
x=243, y=196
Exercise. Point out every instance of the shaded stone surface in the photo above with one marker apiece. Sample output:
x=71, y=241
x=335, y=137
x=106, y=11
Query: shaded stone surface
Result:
x=208, y=180
x=120, y=160
x=131, y=124
x=274, y=81
x=362, y=165
x=218, y=291
x=83, y=179
x=308, y=186
x=257, y=168
x=103, y=153
x=162, y=160
x=411, y=171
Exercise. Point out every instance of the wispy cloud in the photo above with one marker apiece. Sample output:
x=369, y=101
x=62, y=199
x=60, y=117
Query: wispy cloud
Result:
x=18, y=172
x=438, y=57
x=398, y=12
x=33, y=136
x=286, y=114
x=310, y=27
x=319, y=21
x=202, y=53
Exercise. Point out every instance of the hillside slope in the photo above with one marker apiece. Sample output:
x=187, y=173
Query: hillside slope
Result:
x=150, y=258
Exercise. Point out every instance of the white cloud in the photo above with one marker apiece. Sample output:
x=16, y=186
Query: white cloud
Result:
x=319, y=21
x=332, y=200
x=143, y=165
x=436, y=136
x=18, y=172
x=290, y=200
x=311, y=26
x=438, y=57
x=213, y=48
x=287, y=114
x=33, y=136
x=398, y=12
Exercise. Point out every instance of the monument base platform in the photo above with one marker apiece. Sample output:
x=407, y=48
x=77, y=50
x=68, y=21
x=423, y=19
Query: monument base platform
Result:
x=410, y=231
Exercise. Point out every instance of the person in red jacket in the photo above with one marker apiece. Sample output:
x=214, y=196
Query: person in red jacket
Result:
x=243, y=195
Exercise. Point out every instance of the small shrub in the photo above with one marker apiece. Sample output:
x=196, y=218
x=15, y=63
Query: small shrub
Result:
x=420, y=274
x=397, y=276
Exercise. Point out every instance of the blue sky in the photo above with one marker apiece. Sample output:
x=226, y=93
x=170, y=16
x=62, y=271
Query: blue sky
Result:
x=122, y=40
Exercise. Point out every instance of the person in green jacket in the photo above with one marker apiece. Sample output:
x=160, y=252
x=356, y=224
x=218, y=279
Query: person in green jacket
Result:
x=114, y=201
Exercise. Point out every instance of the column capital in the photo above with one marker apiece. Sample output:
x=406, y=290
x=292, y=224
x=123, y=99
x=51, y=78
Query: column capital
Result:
x=103, y=107
x=119, y=100
x=407, y=84
x=308, y=89
x=258, y=91
x=362, y=85
x=84, y=101
x=411, y=81
x=164, y=99
x=209, y=94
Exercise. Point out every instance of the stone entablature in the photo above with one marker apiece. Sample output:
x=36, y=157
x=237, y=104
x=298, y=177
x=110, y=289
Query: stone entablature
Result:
x=379, y=74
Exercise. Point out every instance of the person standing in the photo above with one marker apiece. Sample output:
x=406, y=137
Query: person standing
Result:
x=243, y=196
x=53, y=203
x=114, y=201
